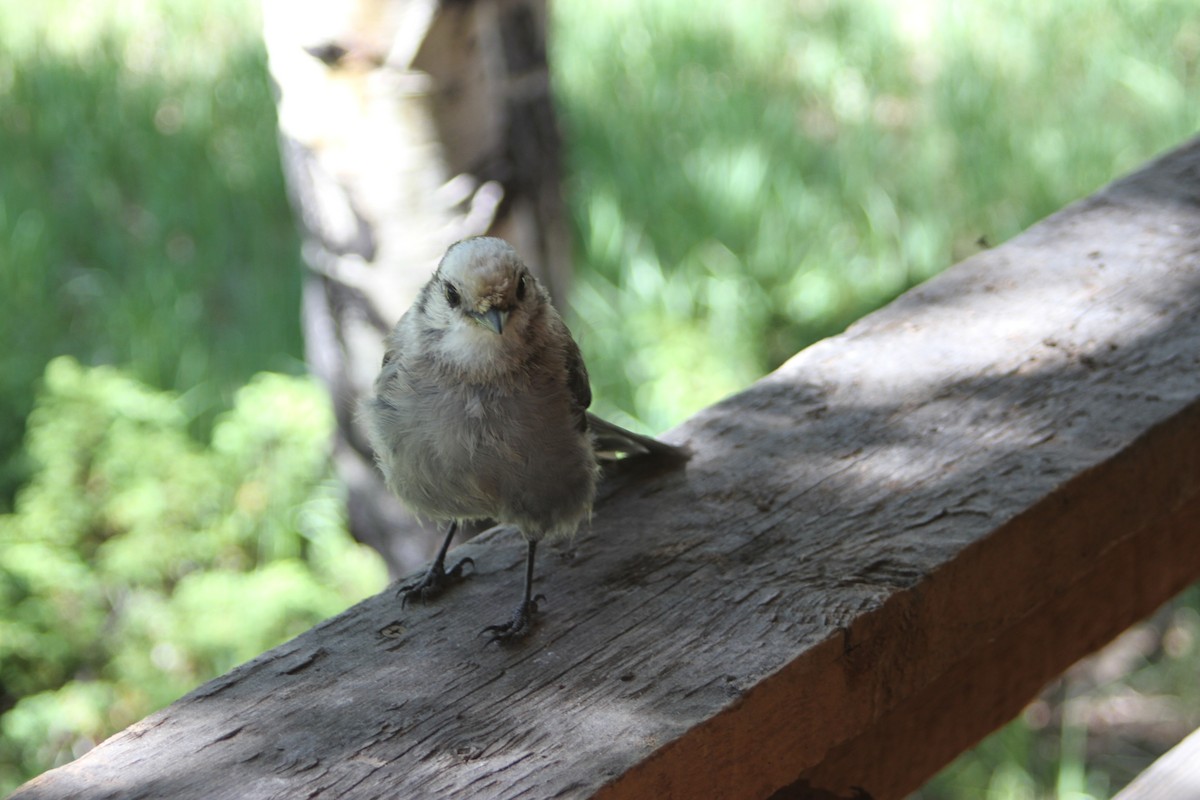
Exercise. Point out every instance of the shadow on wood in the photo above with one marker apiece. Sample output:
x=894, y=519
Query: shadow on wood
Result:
x=878, y=554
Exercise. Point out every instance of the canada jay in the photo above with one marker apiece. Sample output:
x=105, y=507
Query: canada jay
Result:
x=480, y=412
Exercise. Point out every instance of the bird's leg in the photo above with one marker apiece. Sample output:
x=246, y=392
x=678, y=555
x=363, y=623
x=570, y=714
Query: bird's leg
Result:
x=438, y=577
x=522, y=618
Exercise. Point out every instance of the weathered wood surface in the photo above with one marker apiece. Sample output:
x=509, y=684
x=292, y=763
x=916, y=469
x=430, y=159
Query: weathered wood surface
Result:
x=1175, y=776
x=877, y=554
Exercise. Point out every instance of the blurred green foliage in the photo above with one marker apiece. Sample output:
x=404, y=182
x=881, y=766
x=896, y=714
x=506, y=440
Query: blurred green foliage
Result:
x=143, y=219
x=743, y=179
x=140, y=562
x=747, y=179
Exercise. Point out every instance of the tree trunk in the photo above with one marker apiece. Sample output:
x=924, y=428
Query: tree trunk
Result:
x=406, y=125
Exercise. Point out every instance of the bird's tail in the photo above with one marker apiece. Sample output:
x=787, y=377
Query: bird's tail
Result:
x=614, y=443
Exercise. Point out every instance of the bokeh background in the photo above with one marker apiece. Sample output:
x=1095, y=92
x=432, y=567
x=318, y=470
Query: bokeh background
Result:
x=743, y=179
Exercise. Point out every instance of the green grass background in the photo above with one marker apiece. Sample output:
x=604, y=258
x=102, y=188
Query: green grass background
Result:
x=743, y=179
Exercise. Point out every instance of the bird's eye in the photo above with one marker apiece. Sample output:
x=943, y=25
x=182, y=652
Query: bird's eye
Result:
x=452, y=296
x=521, y=287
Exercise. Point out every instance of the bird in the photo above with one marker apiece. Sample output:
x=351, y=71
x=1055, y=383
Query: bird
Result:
x=479, y=412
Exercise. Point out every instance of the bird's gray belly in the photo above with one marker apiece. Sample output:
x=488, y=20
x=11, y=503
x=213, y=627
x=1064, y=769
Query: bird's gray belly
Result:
x=474, y=454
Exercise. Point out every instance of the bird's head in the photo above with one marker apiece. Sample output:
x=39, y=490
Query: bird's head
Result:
x=482, y=298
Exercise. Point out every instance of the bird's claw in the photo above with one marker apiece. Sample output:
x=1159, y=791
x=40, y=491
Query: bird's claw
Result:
x=433, y=583
x=517, y=627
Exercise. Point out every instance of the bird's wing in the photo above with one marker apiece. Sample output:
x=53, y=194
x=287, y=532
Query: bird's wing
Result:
x=612, y=442
x=577, y=383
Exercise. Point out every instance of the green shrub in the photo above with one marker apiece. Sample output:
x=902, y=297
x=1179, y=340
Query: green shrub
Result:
x=140, y=562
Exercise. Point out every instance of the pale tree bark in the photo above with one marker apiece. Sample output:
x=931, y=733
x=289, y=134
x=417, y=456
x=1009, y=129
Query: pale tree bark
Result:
x=406, y=125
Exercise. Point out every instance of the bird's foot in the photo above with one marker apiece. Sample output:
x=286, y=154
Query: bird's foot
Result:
x=435, y=580
x=520, y=624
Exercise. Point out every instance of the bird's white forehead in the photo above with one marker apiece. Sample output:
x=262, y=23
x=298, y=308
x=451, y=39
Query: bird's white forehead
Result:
x=480, y=256
x=483, y=267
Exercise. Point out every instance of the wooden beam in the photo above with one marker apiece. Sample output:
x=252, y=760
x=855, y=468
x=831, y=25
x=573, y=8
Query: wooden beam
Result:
x=878, y=554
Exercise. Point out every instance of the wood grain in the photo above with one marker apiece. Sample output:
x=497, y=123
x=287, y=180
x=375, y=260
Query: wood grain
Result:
x=877, y=554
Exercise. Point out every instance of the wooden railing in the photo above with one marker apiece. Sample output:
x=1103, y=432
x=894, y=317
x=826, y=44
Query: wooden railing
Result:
x=877, y=555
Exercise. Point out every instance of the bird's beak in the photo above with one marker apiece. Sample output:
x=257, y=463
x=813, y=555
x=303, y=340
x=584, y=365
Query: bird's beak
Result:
x=493, y=319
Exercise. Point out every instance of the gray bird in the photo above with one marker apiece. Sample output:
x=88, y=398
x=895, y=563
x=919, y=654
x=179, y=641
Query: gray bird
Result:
x=480, y=412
